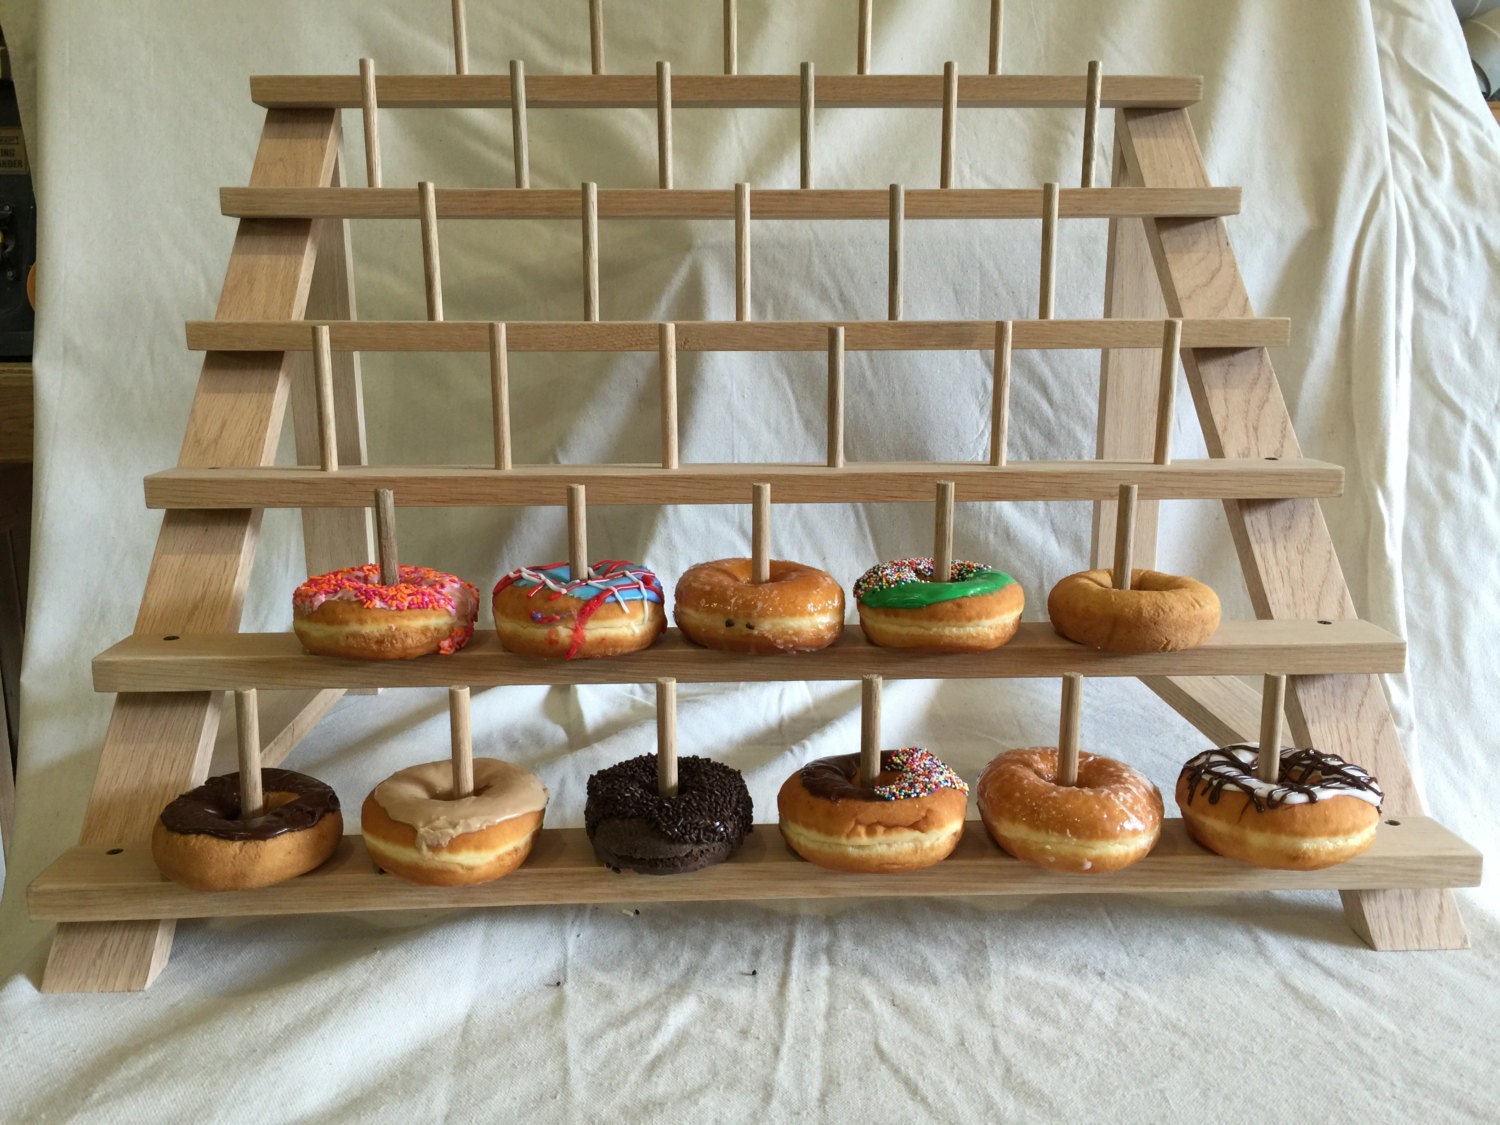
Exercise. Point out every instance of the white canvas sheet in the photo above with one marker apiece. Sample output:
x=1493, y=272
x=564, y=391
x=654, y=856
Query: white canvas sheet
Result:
x=1371, y=194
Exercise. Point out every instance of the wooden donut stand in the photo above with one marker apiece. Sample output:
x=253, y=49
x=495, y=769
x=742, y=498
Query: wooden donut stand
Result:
x=1173, y=289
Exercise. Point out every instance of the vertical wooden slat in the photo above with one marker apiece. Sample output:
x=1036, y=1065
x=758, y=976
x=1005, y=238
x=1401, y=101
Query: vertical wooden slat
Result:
x=731, y=37
x=836, y=397
x=385, y=534
x=519, y=133
x=461, y=735
x=664, y=124
x=596, y=36
x=578, y=533
x=869, y=730
x=760, y=534
x=666, y=349
x=808, y=108
x=590, y=251
x=328, y=437
x=371, y=113
x=432, y=270
x=1049, y=252
x=741, y=251
x=1067, y=732
x=866, y=29
x=460, y=38
x=1000, y=395
x=666, y=736
x=247, y=730
x=1125, y=536
x=1273, y=702
x=1094, y=87
x=997, y=32
x=1166, y=394
x=500, y=393
x=896, y=240
x=942, y=536
x=950, y=123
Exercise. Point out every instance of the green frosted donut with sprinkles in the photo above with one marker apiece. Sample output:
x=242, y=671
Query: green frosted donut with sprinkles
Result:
x=908, y=584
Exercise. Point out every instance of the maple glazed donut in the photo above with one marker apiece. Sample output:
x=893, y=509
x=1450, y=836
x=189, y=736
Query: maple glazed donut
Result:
x=201, y=842
x=801, y=609
x=1159, y=613
x=1107, y=821
x=632, y=826
x=912, y=817
x=414, y=828
x=349, y=613
x=542, y=611
x=1319, y=811
x=977, y=609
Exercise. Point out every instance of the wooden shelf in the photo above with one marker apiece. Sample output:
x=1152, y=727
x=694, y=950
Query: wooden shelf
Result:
x=236, y=661
x=765, y=203
x=88, y=884
x=729, y=335
x=725, y=91
x=859, y=483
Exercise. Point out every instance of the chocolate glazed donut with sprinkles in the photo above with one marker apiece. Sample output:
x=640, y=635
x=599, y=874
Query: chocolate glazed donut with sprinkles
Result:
x=544, y=611
x=976, y=609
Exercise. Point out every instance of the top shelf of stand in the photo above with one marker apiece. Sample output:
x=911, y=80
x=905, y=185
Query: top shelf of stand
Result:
x=725, y=91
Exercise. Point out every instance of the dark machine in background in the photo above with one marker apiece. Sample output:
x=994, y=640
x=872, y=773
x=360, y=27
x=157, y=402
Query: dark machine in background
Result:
x=17, y=224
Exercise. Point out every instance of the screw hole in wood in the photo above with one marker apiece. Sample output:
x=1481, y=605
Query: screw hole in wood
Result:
x=114, y=851
x=1322, y=622
x=173, y=637
x=1394, y=823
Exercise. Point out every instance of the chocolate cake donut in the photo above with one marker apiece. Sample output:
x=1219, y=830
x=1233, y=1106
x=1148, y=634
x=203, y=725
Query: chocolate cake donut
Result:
x=634, y=827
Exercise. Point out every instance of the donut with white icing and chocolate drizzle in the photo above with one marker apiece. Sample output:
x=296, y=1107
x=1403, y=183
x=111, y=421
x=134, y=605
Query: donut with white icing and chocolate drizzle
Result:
x=1319, y=811
x=349, y=613
x=543, y=611
x=910, y=818
x=978, y=608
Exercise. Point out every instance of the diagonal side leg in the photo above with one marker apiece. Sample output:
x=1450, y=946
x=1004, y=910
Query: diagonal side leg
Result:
x=1289, y=562
x=158, y=745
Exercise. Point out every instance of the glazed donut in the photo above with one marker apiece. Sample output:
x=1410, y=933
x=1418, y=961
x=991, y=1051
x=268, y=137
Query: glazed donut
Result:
x=632, y=826
x=911, y=818
x=415, y=829
x=1320, y=810
x=348, y=613
x=799, y=610
x=1110, y=819
x=201, y=842
x=977, y=609
x=541, y=611
x=1159, y=613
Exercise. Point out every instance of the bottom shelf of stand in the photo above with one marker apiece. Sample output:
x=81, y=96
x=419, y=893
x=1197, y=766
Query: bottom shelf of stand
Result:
x=88, y=884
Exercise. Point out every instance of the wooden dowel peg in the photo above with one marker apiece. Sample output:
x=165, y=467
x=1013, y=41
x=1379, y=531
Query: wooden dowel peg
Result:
x=1272, y=704
x=461, y=728
x=731, y=37
x=836, y=397
x=500, y=393
x=866, y=31
x=591, y=251
x=1125, y=536
x=1095, y=90
x=460, y=38
x=432, y=270
x=897, y=242
x=741, y=251
x=664, y=124
x=596, y=36
x=666, y=737
x=1000, y=398
x=247, y=729
x=942, y=535
x=520, y=137
x=1049, y=252
x=809, y=106
x=385, y=533
x=1067, y=731
x=997, y=30
x=328, y=438
x=578, y=537
x=950, y=122
x=371, y=112
x=760, y=534
x=666, y=355
x=1166, y=391
x=869, y=731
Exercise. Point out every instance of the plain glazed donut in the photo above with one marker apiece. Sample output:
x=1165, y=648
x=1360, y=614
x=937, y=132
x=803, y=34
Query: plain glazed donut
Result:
x=415, y=829
x=541, y=611
x=911, y=818
x=800, y=609
x=1110, y=819
x=977, y=609
x=1319, y=812
x=349, y=613
x=632, y=826
x=201, y=842
x=1159, y=613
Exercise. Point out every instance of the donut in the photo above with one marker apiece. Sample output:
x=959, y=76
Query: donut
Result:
x=349, y=613
x=1159, y=613
x=1110, y=819
x=633, y=827
x=414, y=828
x=542, y=611
x=912, y=817
x=1319, y=811
x=800, y=609
x=201, y=842
x=977, y=609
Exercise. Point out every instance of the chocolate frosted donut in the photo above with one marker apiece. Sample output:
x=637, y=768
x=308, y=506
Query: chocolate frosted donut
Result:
x=201, y=842
x=633, y=826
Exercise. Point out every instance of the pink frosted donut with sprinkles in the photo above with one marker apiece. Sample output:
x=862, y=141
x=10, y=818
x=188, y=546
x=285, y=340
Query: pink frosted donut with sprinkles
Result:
x=349, y=613
x=616, y=608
